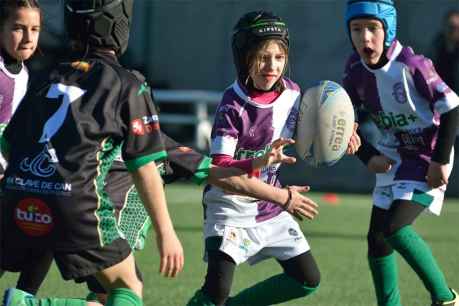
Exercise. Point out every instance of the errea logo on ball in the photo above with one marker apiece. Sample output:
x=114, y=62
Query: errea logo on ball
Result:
x=33, y=217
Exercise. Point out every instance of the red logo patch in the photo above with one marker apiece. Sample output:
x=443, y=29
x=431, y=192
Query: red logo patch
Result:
x=33, y=217
x=138, y=127
x=145, y=125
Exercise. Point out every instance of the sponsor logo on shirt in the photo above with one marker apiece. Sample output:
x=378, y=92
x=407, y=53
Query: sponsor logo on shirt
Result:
x=38, y=186
x=145, y=125
x=244, y=154
x=33, y=217
x=390, y=120
x=399, y=93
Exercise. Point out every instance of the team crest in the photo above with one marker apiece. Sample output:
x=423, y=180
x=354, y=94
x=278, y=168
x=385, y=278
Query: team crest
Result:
x=399, y=93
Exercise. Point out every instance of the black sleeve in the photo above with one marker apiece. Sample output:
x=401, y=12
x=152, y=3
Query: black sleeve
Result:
x=140, y=123
x=446, y=136
x=366, y=150
x=184, y=162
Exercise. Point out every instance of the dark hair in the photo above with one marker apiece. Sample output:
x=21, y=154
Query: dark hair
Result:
x=9, y=7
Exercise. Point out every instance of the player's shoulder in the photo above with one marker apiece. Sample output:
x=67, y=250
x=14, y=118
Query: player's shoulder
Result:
x=415, y=62
x=234, y=96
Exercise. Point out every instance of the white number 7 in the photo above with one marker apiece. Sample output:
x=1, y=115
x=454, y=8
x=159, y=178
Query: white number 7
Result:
x=54, y=123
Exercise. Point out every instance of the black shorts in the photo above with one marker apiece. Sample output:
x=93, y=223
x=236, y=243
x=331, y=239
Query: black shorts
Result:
x=72, y=265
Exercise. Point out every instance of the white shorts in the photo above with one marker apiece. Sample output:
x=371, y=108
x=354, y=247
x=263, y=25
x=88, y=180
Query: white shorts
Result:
x=418, y=192
x=280, y=237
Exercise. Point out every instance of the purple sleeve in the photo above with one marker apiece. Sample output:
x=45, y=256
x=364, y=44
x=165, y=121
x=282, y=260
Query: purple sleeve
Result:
x=348, y=82
x=427, y=81
x=227, y=119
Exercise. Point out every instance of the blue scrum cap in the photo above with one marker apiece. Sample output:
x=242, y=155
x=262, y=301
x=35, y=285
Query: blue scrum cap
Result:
x=383, y=10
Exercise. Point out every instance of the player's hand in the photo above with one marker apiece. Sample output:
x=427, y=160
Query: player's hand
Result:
x=275, y=154
x=354, y=142
x=171, y=252
x=437, y=175
x=301, y=206
x=380, y=164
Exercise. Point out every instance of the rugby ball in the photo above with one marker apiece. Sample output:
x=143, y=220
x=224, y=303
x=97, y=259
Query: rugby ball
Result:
x=325, y=124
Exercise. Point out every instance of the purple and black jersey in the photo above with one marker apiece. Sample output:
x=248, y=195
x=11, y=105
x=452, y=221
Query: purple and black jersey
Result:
x=405, y=98
x=61, y=144
x=246, y=129
x=12, y=89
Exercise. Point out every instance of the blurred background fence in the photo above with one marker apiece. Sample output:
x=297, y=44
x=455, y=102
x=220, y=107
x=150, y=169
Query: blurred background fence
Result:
x=185, y=45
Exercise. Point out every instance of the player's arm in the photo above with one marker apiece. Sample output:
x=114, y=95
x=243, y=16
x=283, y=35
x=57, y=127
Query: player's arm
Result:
x=150, y=188
x=236, y=181
x=445, y=102
x=142, y=147
x=437, y=174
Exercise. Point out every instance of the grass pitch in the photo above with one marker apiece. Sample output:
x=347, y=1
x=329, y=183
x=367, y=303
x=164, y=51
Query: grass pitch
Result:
x=337, y=238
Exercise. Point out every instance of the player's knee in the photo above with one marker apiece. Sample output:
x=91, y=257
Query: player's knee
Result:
x=377, y=245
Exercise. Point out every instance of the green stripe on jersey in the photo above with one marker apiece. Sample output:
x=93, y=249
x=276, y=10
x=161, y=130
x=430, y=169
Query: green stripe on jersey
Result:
x=422, y=198
x=107, y=225
x=202, y=172
x=135, y=164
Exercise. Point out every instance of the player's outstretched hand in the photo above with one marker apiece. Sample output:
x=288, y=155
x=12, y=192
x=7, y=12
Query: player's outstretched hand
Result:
x=380, y=164
x=354, y=142
x=437, y=175
x=299, y=205
x=171, y=252
x=275, y=155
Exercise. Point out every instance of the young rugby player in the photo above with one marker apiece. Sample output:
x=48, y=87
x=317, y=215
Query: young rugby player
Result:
x=20, y=24
x=417, y=115
x=259, y=107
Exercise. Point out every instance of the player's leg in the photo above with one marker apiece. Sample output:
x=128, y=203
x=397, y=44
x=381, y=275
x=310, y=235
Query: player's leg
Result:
x=122, y=284
x=381, y=256
x=301, y=277
x=34, y=272
x=403, y=238
x=97, y=292
x=219, y=277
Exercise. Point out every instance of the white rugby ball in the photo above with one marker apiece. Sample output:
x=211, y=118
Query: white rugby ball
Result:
x=325, y=124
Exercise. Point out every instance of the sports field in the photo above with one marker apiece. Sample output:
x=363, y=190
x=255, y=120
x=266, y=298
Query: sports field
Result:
x=337, y=238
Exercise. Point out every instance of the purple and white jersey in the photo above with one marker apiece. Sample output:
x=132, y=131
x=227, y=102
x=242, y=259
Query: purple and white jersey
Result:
x=13, y=88
x=244, y=129
x=405, y=98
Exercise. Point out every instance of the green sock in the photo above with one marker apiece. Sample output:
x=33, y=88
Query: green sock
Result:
x=385, y=279
x=123, y=297
x=55, y=302
x=419, y=256
x=200, y=299
x=274, y=290
x=14, y=297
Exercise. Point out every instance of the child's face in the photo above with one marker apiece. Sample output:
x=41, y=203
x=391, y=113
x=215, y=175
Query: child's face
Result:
x=19, y=34
x=268, y=66
x=367, y=36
